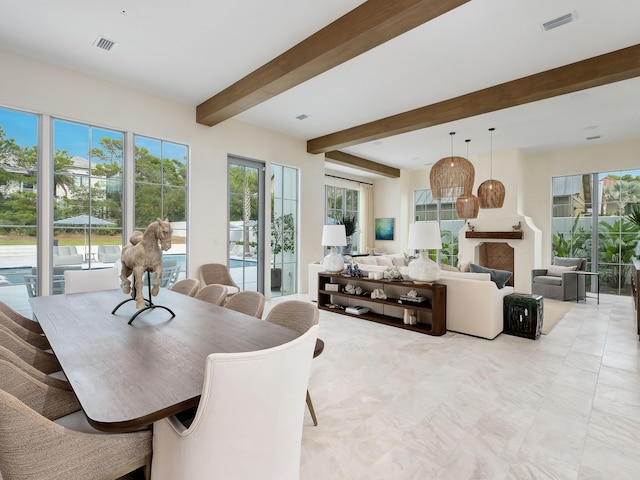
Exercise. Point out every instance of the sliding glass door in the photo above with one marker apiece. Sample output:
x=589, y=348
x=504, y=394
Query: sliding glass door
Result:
x=246, y=222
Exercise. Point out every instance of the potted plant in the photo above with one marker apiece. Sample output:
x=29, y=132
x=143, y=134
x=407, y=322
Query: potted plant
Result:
x=350, y=224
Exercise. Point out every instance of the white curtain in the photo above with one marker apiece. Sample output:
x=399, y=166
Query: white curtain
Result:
x=366, y=217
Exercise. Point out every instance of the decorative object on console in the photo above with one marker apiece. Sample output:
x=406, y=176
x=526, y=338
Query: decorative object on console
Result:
x=332, y=287
x=491, y=192
x=424, y=236
x=394, y=273
x=354, y=270
x=451, y=176
x=378, y=293
x=412, y=297
x=467, y=204
x=352, y=289
x=333, y=236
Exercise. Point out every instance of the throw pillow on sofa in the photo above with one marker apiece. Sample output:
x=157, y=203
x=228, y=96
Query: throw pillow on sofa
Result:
x=557, y=270
x=499, y=277
x=384, y=261
x=366, y=260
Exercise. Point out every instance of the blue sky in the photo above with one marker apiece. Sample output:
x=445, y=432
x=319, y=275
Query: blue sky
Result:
x=74, y=137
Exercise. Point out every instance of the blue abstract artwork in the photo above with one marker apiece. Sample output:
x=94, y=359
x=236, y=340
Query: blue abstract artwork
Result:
x=384, y=228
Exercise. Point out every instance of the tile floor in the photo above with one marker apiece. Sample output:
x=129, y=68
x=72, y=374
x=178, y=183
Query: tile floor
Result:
x=394, y=404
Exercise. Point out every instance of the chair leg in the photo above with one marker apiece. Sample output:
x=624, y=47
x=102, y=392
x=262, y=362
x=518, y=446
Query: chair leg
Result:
x=311, y=410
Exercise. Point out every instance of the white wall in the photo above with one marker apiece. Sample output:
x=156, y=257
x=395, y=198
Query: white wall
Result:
x=42, y=88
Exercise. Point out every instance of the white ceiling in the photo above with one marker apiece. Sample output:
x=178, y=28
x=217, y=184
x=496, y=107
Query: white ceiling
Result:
x=190, y=50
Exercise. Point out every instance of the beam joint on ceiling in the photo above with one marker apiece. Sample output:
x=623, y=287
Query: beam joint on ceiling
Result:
x=372, y=23
x=348, y=160
x=604, y=69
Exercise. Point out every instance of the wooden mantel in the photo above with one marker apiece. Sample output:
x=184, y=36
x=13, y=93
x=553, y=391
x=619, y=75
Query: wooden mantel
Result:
x=502, y=235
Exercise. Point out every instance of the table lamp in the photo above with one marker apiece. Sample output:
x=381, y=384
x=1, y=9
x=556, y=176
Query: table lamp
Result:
x=424, y=236
x=333, y=236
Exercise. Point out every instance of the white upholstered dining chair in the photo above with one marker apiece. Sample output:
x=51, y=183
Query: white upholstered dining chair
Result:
x=78, y=281
x=248, y=424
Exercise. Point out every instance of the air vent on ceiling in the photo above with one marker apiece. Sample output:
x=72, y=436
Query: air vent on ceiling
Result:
x=303, y=116
x=558, y=22
x=595, y=137
x=104, y=43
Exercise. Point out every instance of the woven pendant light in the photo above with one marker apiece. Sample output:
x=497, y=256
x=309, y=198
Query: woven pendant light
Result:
x=467, y=206
x=451, y=176
x=491, y=192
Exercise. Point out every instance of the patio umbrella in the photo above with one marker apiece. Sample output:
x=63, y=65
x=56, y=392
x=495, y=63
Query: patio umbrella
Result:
x=84, y=220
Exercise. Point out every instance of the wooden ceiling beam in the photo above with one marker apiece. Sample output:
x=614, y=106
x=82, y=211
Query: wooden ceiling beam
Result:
x=360, y=163
x=593, y=72
x=371, y=24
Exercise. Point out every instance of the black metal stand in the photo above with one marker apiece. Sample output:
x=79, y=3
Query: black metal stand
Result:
x=149, y=305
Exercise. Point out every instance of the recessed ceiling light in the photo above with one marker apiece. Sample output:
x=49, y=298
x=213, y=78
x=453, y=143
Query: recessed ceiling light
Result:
x=123, y=12
x=303, y=116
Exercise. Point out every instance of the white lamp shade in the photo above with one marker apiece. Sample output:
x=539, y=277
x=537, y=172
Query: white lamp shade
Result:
x=334, y=236
x=424, y=236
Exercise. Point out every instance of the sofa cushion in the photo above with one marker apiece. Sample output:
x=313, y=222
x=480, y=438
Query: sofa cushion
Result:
x=557, y=270
x=548, y=280
x=499, y=277
x=568, y=262
x=384, y=260
x=366, y=260
x=448, y=268
x=398, y=259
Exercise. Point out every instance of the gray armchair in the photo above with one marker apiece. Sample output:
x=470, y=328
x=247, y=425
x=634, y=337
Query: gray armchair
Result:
x=558, y=281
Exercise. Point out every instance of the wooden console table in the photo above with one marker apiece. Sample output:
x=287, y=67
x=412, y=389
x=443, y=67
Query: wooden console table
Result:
x=431, y=315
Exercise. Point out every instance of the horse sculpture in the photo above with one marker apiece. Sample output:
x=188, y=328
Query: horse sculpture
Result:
x=144, y=254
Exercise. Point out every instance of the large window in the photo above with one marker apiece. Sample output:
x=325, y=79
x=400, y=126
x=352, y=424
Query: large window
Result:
x=284, y=230
x=88, y=183
x=342, y=206
x=161, y=192
x=615, y=221
x=426, y=209
x=18, y=206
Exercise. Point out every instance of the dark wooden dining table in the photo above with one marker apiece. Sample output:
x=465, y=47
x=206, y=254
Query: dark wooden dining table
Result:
x=128, y=376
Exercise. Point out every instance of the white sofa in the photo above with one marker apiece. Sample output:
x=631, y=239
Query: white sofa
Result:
x=474, y=302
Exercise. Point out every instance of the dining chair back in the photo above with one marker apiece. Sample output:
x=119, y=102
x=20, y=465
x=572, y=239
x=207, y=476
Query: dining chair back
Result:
x=214, y=293
x=33, y=447
x=218, y=273
x=242, y=429
x=42, y=360
x=79, y=281
x=299, y=316
x=187, y=286
x=28, y=336
x=248, y=302
x=9, y=356
x=20, y=319
x=50, y=402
